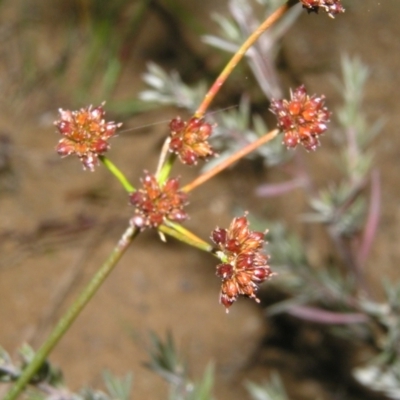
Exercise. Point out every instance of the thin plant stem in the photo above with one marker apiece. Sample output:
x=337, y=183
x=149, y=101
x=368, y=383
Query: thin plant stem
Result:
x=117, y=173
x=72, y=313
x=165, y=163
x=230, y=160
x=184, y=235
x=208, y=98
x=163, y=155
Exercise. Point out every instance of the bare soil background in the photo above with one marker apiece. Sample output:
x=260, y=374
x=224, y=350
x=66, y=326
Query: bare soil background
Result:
x=57, y=223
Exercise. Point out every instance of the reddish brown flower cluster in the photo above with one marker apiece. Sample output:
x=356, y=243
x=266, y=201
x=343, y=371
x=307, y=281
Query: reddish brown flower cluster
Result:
x=244, y=265
x=302, y=118
x=154, y=203
x=189, y=139
x=85, y=134
x=332, y=7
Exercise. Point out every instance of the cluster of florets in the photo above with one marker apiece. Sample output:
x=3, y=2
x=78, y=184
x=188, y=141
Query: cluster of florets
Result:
x=302, y=119
x=155, y=202
x=189, y=139
x=332, y=7
x=86, y=134
x=244, y=264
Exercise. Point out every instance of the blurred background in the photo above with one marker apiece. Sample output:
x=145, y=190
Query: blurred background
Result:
x=58, y=223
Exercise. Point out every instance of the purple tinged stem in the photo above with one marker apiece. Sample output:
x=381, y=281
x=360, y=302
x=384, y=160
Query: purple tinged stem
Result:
x=278, y=189
x=326, y=317
x=372, y=218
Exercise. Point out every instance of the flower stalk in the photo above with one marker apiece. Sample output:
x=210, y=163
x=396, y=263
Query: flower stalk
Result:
x=209, y=97
x=184, y=235
x=230, y=160
x=72, y=313
x=165, y=162
x=117, y=173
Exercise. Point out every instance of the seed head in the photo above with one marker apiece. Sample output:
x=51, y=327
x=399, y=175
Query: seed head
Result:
x=244, y=264
x=332, y=7
x=189, y=139
x=85, y=133
x=302, y=119
x=155, y=203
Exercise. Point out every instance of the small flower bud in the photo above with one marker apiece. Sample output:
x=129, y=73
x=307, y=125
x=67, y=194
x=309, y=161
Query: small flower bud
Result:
x=224, y=271
x=219, y=235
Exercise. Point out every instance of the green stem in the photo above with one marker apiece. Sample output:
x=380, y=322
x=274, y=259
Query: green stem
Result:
x=117, y=173
x=72, y=313
x=165, y=170
x=180, y=233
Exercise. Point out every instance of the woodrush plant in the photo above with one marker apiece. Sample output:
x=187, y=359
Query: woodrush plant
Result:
x=159, y=200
